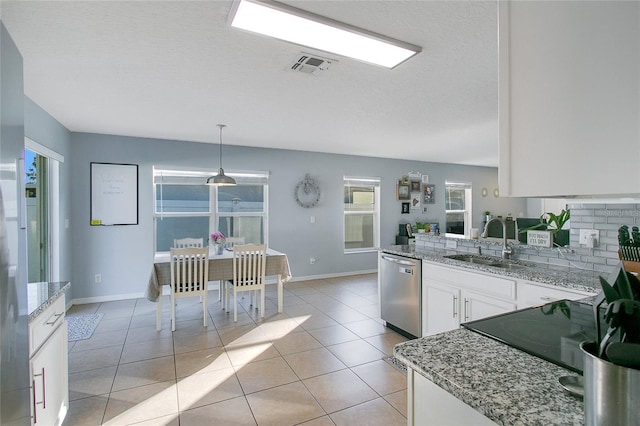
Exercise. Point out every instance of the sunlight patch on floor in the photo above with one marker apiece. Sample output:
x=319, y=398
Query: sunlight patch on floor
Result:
x=248, y=347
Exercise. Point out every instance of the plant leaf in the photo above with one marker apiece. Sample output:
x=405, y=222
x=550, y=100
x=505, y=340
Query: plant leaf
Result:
x=610, y=293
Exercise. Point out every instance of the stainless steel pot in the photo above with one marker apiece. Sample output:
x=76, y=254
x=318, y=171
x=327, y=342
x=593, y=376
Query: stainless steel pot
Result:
x=611, y=392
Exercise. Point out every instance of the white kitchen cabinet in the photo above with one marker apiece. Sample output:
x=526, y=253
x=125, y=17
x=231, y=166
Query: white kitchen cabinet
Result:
x=441, y=308
x=49, y=379
x=452, y=296
x=49, y=366
x=533, y=294
x=429, y=404
x=569, y=102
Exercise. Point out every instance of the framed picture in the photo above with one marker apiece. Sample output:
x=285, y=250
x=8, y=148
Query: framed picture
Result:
x=415, y=201
x=415, y=186
x=405, y=208
x=424, y=210
x=429, y=192
x=402, y=191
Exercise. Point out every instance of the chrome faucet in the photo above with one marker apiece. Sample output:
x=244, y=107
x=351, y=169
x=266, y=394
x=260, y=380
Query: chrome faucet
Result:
x=506, y=249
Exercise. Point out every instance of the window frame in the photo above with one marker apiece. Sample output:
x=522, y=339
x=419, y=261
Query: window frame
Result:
x=197, y=177
x=373, y=182
x=466, y=212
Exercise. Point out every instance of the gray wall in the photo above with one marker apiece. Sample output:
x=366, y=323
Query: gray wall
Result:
x=41, y=127
x=123, y=255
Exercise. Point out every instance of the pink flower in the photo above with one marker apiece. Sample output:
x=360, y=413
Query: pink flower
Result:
x=218, y=237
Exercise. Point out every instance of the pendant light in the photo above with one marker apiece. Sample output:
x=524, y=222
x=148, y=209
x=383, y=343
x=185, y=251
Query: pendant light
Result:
x=220, y=179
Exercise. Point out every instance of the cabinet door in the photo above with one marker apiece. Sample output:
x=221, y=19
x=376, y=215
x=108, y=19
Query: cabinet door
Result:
x=476, y=306
x=569, y=97
x=49, y=380
x=442, y=312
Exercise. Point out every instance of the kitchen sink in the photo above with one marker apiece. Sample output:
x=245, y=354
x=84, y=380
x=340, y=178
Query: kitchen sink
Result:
x=470, y=258
x=506, y=265
x=479, y=260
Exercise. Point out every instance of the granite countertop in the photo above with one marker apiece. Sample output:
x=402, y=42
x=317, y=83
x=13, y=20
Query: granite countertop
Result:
x=41, y=295
x=560, y=276
x=505, y=384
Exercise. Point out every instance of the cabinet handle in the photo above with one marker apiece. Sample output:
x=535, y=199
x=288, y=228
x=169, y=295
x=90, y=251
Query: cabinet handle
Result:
x=57, y=317
x=466, y=309
x=455, y=302
x=44, y=391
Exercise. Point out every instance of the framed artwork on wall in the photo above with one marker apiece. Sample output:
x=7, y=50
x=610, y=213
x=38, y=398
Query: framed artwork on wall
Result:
x=402, y=191
x=415, y=186
x=405, y=208
x=429, y=192
x=415, y=201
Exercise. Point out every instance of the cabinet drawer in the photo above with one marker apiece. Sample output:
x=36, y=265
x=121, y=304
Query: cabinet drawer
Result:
x=485, y=284
x=45, y=324
x=535, y=294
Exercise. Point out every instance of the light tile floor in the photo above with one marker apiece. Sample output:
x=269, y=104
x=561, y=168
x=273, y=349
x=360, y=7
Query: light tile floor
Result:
x=318, y=363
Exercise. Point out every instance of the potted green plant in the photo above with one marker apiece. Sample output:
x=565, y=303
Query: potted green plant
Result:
x=421, y=227
x=487, y=216
x=554, y=224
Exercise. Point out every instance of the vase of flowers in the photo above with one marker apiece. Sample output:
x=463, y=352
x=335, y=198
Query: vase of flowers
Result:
x=218, y=239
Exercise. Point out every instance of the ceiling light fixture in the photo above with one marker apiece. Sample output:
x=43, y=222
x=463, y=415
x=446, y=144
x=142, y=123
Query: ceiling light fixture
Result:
x=221, y=179
x=318, y=32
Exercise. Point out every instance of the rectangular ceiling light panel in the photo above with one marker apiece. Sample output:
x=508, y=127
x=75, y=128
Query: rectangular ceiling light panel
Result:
x=307, y=29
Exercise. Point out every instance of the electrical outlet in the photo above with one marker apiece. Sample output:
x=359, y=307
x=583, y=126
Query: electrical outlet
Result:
x=98, y=278
x=589, y=237
x=312, y=261
x=312, y=219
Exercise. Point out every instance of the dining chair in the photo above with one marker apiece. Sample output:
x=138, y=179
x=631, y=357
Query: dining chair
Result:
x=189, y=275
x=229, y=242
x=188, y=242
x=249, y=262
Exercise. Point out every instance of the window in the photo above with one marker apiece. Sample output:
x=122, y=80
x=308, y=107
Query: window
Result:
x=361, y=214
x=42, y=192
x=186, y=207
x=457, y=199
x=37, y=194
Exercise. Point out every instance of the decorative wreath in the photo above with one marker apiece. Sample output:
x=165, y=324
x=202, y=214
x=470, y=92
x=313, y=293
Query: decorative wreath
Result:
x=307, y=193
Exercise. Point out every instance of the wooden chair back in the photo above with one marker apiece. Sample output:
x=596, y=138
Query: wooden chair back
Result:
x=189, y=271
x=249, y=262
x=188, y=242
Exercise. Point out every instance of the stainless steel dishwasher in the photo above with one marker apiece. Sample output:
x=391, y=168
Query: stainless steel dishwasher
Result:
x=401, y=293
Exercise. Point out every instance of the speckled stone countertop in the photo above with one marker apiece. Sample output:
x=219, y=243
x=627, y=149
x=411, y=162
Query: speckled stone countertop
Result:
x=560, y=276
x=41, y=295
x=505, y=384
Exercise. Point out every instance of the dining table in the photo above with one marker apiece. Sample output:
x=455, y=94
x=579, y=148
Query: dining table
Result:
x=220, y=269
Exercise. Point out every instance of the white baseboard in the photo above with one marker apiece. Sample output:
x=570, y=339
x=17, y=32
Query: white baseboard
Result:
x=334, y=275
x=213, y=285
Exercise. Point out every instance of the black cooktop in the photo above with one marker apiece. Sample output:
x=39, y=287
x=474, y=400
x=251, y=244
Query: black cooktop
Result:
x=552, y=332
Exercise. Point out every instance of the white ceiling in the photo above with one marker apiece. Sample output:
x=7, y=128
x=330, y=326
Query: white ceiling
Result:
x=174, y=69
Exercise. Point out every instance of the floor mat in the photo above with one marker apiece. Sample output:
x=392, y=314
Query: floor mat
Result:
x=81, y=327
x=396, y=363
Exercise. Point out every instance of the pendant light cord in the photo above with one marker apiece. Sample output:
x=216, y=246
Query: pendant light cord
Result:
x=221, y=126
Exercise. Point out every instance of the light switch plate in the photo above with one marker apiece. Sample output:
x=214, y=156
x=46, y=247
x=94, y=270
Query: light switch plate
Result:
x=587, y=235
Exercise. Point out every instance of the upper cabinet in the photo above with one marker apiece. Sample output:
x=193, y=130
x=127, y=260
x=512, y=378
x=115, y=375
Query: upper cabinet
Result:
x=569, y=98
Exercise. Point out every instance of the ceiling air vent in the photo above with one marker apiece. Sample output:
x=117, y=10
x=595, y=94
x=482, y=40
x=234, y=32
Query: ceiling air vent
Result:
x=311, y=64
